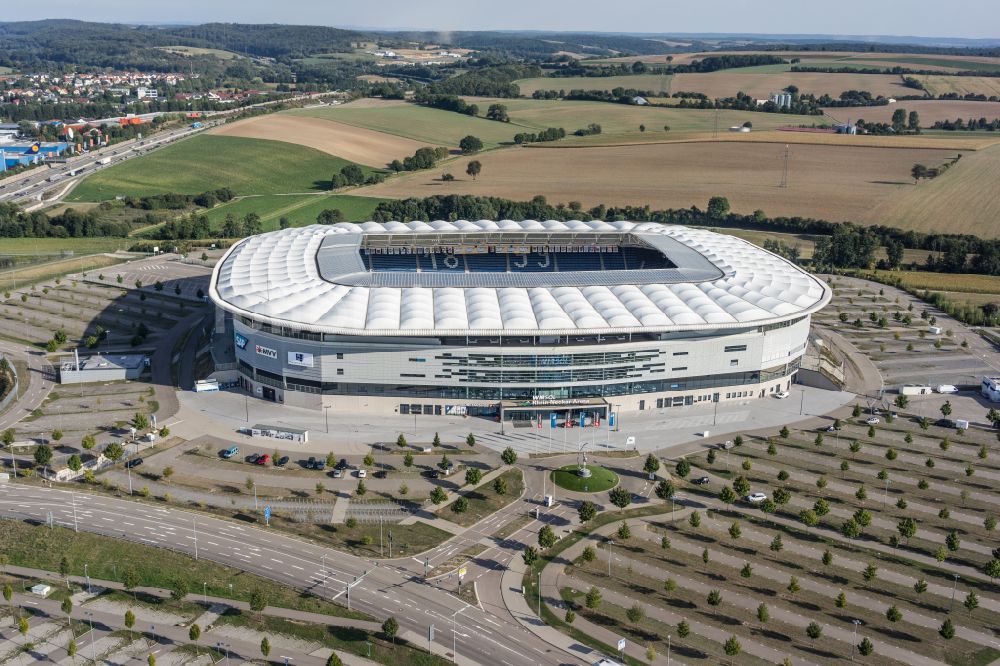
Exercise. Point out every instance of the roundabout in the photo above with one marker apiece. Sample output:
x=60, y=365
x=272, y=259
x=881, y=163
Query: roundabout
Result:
x=594, y=478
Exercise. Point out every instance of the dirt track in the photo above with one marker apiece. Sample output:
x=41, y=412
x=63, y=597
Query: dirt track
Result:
x=356, y=144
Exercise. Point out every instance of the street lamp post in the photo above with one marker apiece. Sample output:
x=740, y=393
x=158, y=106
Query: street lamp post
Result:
x=855, y=639
x=953, y=588
x=204, y=593
x=668, y=649
x=323, y=566
x=885, y=497
x=90, y=621
x=610, y=543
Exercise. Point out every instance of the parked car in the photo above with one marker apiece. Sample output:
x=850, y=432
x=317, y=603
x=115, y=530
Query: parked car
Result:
x=832, y=428
x=311, y=462
x=343, y=464
x=230, y=452
x=134, y=462
x=756, y=498
x=700, y=481
x=947, y=388
x=782, y=395
x=338, y=473
x=263, y=459
x=252, y=458
x=282, y=461
x=362, y=473
x=872, y=420
x=320, y=465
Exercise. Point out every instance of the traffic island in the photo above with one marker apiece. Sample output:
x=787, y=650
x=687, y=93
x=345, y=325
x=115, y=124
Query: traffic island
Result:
x=585, y=479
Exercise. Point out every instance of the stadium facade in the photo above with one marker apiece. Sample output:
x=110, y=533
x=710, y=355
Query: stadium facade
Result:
x=528, y=320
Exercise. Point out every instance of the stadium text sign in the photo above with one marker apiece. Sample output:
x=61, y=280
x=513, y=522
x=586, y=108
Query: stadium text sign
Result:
x=266, y=351
x=300, y=358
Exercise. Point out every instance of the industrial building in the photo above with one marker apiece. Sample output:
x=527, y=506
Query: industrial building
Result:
x=99, y=368
x=23, y=154
x=519, y=320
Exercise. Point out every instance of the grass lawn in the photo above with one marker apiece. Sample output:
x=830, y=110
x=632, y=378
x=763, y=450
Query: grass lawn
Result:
x=205, y=162
x=36, y=546
x=300, y=209
x=77, y=246
x=436, y=127
x=601, y=479
x=363, y=539
x=53, y=269
x=346, y=639
x=484, y=501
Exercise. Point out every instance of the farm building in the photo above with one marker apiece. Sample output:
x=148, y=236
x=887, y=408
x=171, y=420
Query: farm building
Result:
x=512, y=319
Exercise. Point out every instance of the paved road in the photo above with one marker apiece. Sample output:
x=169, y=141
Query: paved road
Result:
x=480, y=637
x=41, y=376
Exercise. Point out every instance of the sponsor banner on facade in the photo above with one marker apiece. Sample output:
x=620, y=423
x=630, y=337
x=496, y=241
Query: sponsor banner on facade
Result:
x=300, y=358
x=266, y=351
x=241, y=341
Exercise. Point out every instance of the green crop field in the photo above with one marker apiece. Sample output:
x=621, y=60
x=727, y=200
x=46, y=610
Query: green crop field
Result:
x=656, y=82
x=436, y=127
x=78, y=246
x=620, y=122
x=205, y=162
x=300, y=209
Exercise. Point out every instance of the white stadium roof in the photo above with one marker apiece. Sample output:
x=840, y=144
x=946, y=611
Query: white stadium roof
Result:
x=282, y=278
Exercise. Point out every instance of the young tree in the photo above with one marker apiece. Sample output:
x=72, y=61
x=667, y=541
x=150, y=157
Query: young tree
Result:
x=776, y=544
x=546, y=537
x=814, y=631
x=635, y=614
x=683, y=468
x=587, y=511
x=947, y=629
x=893, y=614
x=438, y=495
x=747, y=570
x=43, y=455
x=129, y=620
x=67, y=609
x=652, y=464
x=865, y=647
x=509, y=456
x=734, y=530
x=265, y=647
x=841, y=600
x=694, y=519
x=500, y=485
x=530, y=555
x=732, y=647
x=258, y=601
x=474, y=168
x=763, y=614
x=473, y=476
x=665, y=490
x=714, y=599
x=683, y=629
x=793, y=585
x=971, y=602
x=461, y=505
x=593, y=598
x=624, y=531
x=401, y=440
x=408, y=459
x=390, y=628
x=194, y=633
x=620, y=497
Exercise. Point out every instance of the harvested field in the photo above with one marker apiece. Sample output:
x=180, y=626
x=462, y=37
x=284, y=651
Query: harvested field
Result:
x=429, y=127
x=654, y=82
x=963, y=85
x=834, y=59
x=832, y=182
x=963, y=200
x=762, y=84
x=930, y=111
x=355, y=144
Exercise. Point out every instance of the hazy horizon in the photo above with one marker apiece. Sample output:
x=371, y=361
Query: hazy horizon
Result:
x=892, y=18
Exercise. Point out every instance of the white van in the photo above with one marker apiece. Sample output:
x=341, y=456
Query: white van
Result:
x=947, y=388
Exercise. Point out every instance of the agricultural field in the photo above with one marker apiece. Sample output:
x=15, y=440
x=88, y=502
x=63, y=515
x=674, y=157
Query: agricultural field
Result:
x=198, y=51
x=960, y=201
x=832, y=59
x=930, y=111
x=727, y=83
x=430, y=127
x=655, y=82
x=832, y=182
x=963, y=85
x=248, y=166
x=620, y=122
x=300, y=209
x=375, y=149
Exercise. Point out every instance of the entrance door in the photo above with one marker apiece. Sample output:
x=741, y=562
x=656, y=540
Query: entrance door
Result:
x=269, y=393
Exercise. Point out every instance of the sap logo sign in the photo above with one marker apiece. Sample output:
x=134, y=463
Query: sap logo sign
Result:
x=241, y=341
x=264, y=351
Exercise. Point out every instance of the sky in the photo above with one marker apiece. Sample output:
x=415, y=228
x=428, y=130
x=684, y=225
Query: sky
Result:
x=927, y=18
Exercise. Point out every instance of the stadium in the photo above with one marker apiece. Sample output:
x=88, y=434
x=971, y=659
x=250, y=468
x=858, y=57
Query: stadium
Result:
x=563, y=321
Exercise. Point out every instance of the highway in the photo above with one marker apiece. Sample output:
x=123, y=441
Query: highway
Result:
x=28, y=188
x=380, y=590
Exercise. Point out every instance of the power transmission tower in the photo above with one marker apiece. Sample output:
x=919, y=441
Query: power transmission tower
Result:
x=784, y=170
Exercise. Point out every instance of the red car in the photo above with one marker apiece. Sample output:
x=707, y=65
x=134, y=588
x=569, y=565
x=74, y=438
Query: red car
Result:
x=263, y=459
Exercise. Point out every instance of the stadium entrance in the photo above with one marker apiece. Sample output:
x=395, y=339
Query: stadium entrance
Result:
x=548, y=412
